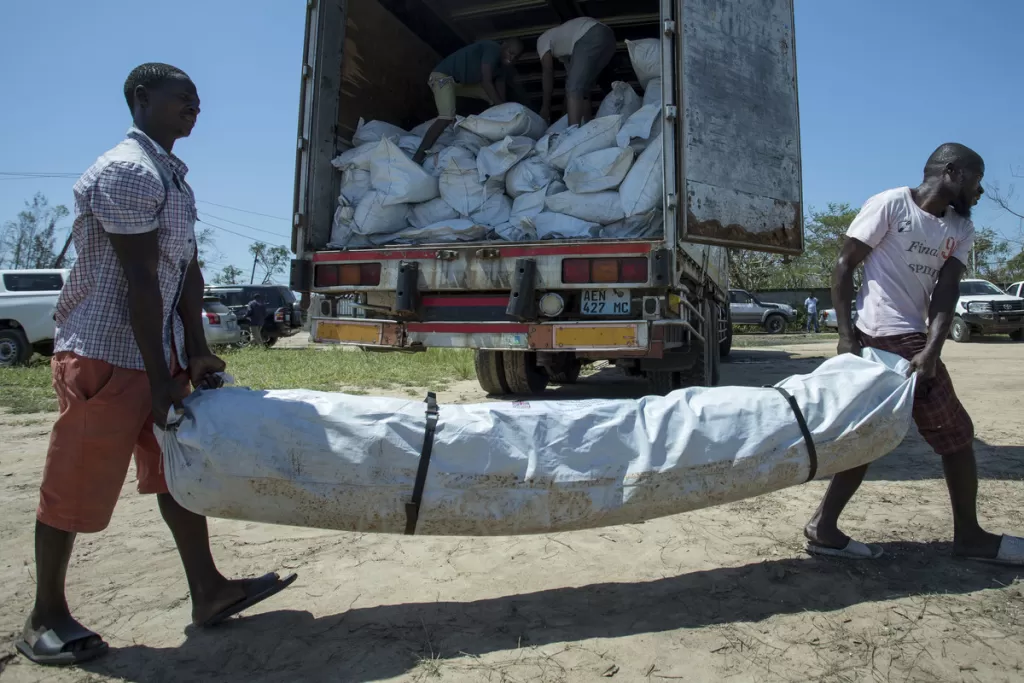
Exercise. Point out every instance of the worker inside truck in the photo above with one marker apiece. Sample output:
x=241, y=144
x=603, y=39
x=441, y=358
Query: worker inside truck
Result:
x=477, y=71
x=585, y=46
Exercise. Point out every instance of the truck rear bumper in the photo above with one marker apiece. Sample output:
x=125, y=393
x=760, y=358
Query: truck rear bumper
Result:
x=624, y=338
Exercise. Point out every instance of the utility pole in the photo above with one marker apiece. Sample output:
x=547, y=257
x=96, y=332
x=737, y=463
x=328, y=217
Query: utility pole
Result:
x=974, y=262
x=252, y=278
x=63, y=252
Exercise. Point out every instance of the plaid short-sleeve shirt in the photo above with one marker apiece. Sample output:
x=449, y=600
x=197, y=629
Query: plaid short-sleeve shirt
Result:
x=134, y=188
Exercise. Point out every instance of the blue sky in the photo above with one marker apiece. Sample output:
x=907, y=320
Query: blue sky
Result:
x=881, y=85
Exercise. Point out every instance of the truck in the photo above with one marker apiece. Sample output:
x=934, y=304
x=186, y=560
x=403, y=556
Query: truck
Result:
x=535, y=312
x=28, y=304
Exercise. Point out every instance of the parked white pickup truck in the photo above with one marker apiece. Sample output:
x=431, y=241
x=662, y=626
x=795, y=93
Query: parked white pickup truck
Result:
x=28, y=301
x=984, y=309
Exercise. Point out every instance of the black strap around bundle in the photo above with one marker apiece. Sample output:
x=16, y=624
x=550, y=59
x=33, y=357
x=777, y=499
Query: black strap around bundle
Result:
x=812, y=452
x=412, y=508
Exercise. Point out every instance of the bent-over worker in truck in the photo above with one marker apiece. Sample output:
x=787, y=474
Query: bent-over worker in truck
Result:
x=914, y=243
x=585, y=46
x=129, y=341
x=476, y=71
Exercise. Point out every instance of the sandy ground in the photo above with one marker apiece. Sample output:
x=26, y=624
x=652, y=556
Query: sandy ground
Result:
x=724, y=594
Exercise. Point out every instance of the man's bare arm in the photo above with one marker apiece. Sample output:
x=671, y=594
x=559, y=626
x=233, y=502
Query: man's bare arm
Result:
x=190, y=307
x=853, y=253
x=547, y=63
x=940, y=311
x=487, y=80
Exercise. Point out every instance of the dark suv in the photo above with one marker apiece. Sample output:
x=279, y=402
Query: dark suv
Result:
x=284, y=317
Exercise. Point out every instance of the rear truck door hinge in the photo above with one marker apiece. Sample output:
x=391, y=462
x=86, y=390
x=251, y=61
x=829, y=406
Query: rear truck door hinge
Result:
x=407, y=294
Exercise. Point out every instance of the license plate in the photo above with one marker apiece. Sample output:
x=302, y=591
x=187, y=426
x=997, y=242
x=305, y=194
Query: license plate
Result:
x=232, y=325
x=352, y=333
x=605, y=302
x=597, y=337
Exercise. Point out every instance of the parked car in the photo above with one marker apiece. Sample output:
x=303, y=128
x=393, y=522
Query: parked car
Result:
x=219, y=324
x=983, y=308
x=28, y=304
x=831, y=322
x=284, y=316
x=747, y=309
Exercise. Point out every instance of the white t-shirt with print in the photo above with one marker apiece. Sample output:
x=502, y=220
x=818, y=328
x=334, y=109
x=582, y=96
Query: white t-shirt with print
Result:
x=909, y=248
x=560, y=40
x=811, y=304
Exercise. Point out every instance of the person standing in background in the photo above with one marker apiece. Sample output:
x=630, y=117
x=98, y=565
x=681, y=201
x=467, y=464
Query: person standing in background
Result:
x=811, y=306
x=256, y=314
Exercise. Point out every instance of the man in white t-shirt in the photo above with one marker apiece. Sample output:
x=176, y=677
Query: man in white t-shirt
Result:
x=585, y=46
x=913, y=243
x=811, y=306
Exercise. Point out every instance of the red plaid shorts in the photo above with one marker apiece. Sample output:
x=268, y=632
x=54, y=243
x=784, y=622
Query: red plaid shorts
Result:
x=941, y=418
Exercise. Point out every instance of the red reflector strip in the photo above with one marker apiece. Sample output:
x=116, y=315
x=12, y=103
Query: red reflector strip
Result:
x=633, y=270
x=347, y=275
x=576, y=271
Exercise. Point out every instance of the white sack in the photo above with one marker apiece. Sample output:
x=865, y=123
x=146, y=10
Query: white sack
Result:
x=468, y=141
x=596, y=207
x=599, y=171
x=374, y=215
x=640, y=128
x=550, y=226
x=641, y=226
x=456, y=230
x=357, y=157
x=410, y=144
x=495, y=210
x=495, y=160
x=652, y=94
x=343, y=225
x=644, y=185
x=428, y=213
x=459, y=182
x=558, y=126
x=510, y=118
x=398, y=178
x=375, y=131
x=646, y=58
x=529, y=175
x=328, y=460
x=622, y=100
x=529, y=204
x=355, y=183
x=590, y=137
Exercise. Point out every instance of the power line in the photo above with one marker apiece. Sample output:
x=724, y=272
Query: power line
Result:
x=235, y=208
x=237, y=234
x=243, y=225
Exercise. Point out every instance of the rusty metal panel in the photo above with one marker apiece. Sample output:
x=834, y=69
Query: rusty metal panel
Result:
x=741, y=125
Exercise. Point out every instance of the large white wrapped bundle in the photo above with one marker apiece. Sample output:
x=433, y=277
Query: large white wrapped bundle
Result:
x=428, y=213
x=315, y=459
x=510, y=118
x=575, y=142
x=596, y=207
x=375, y=131
x=459, y=182
x=398, y=178
x=644, y=185
x=599, y=171
x=495, y=160
x=529, y=175
x=645, y=55
x=622, y=100
x=640, y=128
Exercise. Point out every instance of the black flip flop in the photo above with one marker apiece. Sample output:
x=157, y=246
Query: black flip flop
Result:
x=259, y=590
x=49, y=647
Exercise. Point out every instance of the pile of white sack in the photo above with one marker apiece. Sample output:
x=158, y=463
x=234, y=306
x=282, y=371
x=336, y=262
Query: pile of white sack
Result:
x=505, y=174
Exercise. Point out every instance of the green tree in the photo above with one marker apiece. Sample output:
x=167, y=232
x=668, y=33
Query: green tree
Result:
x=268, y=261
x=29, y=240
x=206, y=247
x=229, y=275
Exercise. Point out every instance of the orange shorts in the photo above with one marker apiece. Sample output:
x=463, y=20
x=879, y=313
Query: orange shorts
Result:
x=105, y=416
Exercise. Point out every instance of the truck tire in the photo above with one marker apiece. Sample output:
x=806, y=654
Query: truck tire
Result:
x=1017, y=335
x=775, y=324
x=14, y=348
x=524, y=376
x=566, y=370
x=706, y=371
x=960, y=331
x=664, y=382
x=490, y=372
x=725, y=347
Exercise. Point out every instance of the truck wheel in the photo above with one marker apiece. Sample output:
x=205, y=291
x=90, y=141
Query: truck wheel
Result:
x=706, y=370
x=664, y=382
x=725, y=347
x=775, y=324
x=960, y=331
x=14, y=348
x=566, y=370
x=524, y=376
x=1017, y=335
x=490, y=372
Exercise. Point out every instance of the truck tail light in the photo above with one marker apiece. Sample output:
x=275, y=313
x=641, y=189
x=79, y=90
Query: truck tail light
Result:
x=604, y=270
x=213, y=318
x=347, y=275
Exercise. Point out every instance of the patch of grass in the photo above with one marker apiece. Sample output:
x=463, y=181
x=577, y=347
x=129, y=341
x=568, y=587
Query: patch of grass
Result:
x=332, y=369
x=27, y=389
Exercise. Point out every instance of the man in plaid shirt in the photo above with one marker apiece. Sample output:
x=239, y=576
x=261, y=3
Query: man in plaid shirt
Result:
x=914, y=244
x=129, y=343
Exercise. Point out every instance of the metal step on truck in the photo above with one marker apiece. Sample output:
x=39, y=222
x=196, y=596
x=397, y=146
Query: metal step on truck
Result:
x=534, y=312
